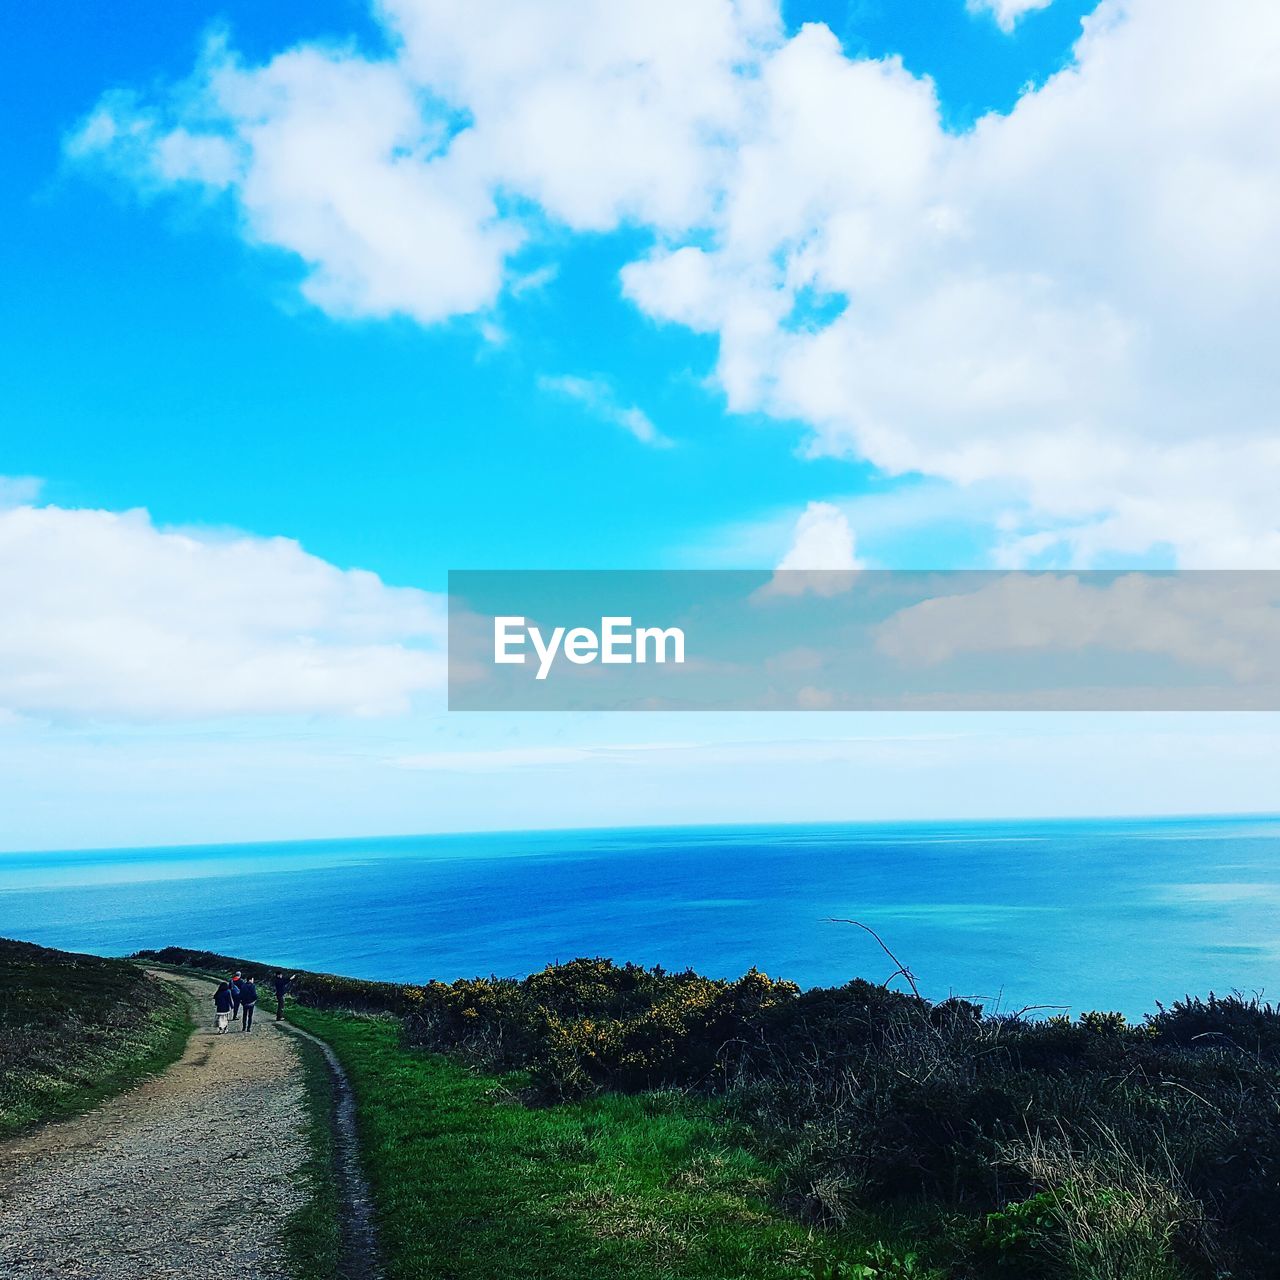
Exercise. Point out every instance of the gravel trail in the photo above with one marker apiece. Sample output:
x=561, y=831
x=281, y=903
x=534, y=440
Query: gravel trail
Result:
x=191, y=1174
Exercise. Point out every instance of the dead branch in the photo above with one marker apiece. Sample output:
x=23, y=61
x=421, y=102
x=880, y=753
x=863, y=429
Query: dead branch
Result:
x=901, y=969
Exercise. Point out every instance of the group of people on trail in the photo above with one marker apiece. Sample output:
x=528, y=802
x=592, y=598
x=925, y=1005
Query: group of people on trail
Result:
x=238, y=996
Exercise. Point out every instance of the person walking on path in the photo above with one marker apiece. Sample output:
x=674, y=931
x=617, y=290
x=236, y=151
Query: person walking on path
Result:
x=235, y=996
x=282, y=986
x=248, y=998
x=222, y=1007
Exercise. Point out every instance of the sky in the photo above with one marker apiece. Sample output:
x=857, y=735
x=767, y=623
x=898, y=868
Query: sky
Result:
x=306, y=305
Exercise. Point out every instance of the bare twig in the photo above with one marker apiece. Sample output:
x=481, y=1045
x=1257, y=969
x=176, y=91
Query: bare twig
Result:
x=901, y=969
x=1035, y=1008
x=1174, y=1084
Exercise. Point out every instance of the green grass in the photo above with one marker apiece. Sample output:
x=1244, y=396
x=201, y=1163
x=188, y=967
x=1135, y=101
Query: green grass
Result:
x=469, y=1183
x=74, y=1030
x=312, y=1235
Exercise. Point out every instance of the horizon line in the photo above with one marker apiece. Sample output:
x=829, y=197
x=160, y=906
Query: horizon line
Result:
x=1178, y=816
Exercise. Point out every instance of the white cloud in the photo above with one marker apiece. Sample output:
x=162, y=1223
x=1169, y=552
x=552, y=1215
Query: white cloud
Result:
x=820, y=561
x=386, y=176
x=107, y=616
x=597, y=396
x=1007, y=13
x=330, y=157
x=1074, y=301
x=822, y=540
x=921, y=525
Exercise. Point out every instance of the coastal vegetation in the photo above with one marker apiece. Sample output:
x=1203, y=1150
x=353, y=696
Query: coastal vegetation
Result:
x=474, y=1182
x=76, y=1029
x=901, y=1137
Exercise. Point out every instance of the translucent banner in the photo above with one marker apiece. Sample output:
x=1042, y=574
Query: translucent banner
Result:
x=863, y=640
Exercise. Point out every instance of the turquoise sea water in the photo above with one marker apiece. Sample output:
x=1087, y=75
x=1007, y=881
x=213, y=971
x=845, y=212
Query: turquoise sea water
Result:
x=1099, y=914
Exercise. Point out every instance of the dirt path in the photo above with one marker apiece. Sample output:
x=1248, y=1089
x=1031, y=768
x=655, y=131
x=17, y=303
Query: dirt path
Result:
x=191, y=1174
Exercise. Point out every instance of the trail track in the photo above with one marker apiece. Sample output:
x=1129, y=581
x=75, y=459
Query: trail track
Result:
x=191, y=1174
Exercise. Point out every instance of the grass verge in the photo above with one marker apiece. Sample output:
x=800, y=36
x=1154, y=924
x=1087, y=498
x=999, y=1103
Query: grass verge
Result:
x=75, y=1030
x=312, y=1235
x=471, y=1184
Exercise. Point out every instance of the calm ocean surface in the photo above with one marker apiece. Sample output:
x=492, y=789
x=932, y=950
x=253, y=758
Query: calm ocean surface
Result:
x=1103, y=914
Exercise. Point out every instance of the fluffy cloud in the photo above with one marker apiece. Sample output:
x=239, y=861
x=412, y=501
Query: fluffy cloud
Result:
x=1073, y=297
x=1074, y=301
x=823, y=540
x=406, y=183
x=329, y=157
x=107, y=616
x=1007, y=13
x=821, y=559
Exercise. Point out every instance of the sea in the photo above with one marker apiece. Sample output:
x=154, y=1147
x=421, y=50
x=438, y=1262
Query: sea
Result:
x=1115, y=914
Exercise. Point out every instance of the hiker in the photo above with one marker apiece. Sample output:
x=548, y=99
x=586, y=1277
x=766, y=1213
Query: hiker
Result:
x=248, y=998
x=235, y=996
x=282, y=985
x=221, y=1007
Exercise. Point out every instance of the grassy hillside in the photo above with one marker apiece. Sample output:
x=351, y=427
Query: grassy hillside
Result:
x=472, y=1184
x=75, y=1029
x=1050, y=1149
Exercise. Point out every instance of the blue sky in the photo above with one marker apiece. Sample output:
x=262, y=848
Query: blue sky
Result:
x=151, y=359
x=1018, y=322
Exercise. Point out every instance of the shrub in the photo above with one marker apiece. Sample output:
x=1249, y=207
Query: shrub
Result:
x=591, y=1024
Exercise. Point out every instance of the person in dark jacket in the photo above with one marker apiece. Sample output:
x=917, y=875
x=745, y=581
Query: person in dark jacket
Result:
x=221, y=1007
x=248, y=998
x=282, y=986
x=235, y=996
